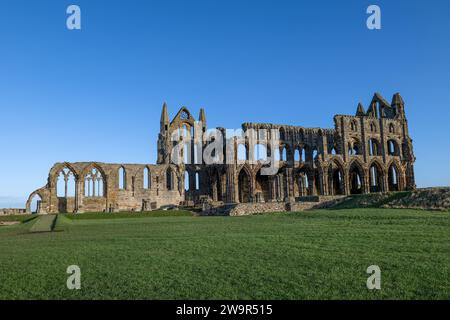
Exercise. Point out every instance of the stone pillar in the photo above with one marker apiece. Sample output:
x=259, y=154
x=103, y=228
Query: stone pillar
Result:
x=311, y=185
x=385, y=187
x=214, y=188
x=289, y=183
x=325, y=184
x=230, y=185
x=279, y=187
x=271, y=189
x=366, y=182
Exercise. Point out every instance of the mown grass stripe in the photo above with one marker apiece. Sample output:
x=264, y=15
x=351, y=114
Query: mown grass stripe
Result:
x=44, y=224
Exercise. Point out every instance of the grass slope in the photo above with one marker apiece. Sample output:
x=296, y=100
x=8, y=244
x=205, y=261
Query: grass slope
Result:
x=311, y=255
x=120, y=215
x=370, y=200
x=44, y=224
x=21, y=218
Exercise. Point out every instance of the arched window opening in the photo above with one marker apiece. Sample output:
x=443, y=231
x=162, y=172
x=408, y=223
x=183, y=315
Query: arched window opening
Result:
x=283, y=154
x=186, y=181
x=333, y=151
x=393, y=179
x=373, y=127
x=94, y=184
x=374, y=147
x=375, y=178
x=336, y=179
x=297, y=155
x=197, y=181
x=122, y=178
x=354, y=148
x=146, y=178
x=355, y=175
x=65, y=186
x=244, y=187
x=391, y=128
x=169, y=179
x=353, y=126
x=393, y=149
x=35, y=206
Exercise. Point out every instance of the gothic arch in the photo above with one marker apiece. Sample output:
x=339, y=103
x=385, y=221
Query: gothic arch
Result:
x=65, y=181
x=376, y=177
x=336, y=178
x=356, y=177
x=395, y=182
x=146, y=178
x=57, y=169
x=245, y=185
x=122, y=178
x=262, y=187
x=170, y=178
x=41, y=193
x=393, y=147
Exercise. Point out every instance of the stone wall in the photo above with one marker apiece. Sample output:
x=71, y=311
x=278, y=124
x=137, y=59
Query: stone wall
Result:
x=427, y=199
x=245, y=209
x=4, y=212
x=106, y=187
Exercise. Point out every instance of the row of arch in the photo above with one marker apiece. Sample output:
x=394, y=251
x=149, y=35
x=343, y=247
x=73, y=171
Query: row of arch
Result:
x=339, y=181
x=372, y=126
x=374, y=147
x=261, y=153
x=302, y=154
x=94, y=182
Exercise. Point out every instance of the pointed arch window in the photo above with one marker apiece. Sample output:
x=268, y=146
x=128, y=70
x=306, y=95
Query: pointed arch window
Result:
x=197, y=181
x=94, y=184
x=65, y=185
x=391, y=128
x=169, y=179
x=122, y=178
x=146, y=178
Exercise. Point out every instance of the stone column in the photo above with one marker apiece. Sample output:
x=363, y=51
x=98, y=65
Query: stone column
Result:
x=230, y=185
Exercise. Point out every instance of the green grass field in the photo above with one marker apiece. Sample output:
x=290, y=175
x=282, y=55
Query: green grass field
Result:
x=311, y=255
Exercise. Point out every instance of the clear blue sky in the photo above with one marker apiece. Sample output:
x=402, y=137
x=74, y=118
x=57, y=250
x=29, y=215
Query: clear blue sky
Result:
x=96, y=94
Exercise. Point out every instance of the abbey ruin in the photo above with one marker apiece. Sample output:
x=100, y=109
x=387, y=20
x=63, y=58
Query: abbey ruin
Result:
x=370, y=151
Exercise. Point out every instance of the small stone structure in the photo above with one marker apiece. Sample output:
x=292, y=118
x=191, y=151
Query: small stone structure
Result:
x=366, y=152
